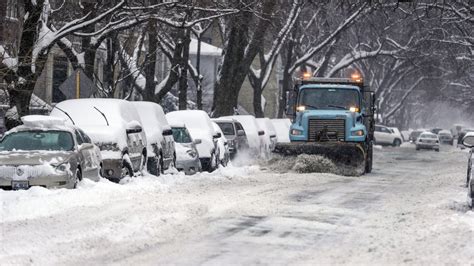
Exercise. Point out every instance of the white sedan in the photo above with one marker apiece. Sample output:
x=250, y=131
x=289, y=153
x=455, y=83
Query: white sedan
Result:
x=427, y=140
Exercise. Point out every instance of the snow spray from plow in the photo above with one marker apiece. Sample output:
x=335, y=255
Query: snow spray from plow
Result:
x=339, y=158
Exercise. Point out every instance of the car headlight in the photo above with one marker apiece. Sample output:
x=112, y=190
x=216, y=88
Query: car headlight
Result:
x=191, y=153
x=61, y=168
x=296, y=132
x=357, y=133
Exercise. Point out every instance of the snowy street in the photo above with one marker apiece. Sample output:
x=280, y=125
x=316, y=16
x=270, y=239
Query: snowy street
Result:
x=411, y=209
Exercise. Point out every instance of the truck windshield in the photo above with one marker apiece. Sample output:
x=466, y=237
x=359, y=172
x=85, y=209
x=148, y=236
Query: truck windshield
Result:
x=328, y=98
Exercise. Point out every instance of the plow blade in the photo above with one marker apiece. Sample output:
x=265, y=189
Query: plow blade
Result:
x=350, y=154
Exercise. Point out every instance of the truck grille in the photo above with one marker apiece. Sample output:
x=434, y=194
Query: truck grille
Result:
x=326, y=129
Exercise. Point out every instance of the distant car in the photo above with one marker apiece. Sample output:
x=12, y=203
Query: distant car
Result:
x=436, y=130
x=397, y=132
x=414, y=135
x=445, y=136
x=187, y=155
x=160, y=143
x=282, y=129
x=200, y=127
x=270, y=132
x=224, y=154
x=46, y=152
x=253, y=132
x=115, y=126
x=385, y=136
x=235, y=135
x=427, y=140
x=468, y=141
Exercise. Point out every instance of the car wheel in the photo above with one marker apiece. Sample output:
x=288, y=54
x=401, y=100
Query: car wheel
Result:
x=127, y=169
x=77, y=177
x=154, y=166
x=437, y=150
x=397, y=143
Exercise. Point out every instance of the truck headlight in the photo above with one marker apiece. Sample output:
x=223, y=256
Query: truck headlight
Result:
x=296, y=132
x=357, y=133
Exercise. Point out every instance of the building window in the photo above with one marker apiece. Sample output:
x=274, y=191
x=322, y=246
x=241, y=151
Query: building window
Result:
x=12, y=9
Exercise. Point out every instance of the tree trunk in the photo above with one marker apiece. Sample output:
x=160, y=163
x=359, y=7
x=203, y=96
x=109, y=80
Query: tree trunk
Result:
x=257, y=102
x=239, y=54
x=198, y=68
x=183, y=79
x=150, y=63
x=286, y=83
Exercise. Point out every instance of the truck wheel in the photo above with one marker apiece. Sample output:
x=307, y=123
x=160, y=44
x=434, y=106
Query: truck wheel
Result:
x=396, y=143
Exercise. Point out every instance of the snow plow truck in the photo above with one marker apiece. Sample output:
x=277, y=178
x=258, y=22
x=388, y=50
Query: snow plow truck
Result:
x=331, y=117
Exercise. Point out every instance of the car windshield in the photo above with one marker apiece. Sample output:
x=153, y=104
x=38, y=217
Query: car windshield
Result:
x=38, y=141
x=181, y=135
x=227, y=128
x=329, y=98
x=428, y=136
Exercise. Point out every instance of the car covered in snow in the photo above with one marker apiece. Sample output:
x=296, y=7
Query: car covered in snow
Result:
x=200, y=127
x=461, y=135
x=468, y=141
x=385, y=136
x=445, y=136
x=398, y=133
x=282, y=129
x=224, y=154
x=427, y=140
x=234, y=133
x=47, y=152
x=252, y=131
x=270, y=132
x=115, y=126
x=187, y=155
x=160, y=143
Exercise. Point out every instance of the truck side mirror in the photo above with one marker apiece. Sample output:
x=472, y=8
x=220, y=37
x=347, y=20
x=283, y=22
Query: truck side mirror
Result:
x=290, y=103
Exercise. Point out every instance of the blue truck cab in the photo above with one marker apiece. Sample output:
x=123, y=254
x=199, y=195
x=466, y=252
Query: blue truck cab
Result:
x=329, y=113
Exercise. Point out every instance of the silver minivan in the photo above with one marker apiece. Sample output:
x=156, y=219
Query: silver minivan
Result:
x=160, y=142
x=115, y=127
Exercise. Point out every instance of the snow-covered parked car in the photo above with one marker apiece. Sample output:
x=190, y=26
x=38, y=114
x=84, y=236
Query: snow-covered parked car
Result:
x=187, y=155
x=427, y=140
x=282, y=129
x=270, y=132
x=200, y=127
x=224, y=155
x=468, y=141
x=252, y=131
x=397, y=132
x=159, y=136
x=235, y=135
x=47, y=152
x=115, y=126
x=385, y=136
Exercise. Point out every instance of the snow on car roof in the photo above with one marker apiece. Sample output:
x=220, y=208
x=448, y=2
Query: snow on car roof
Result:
x=175, y=124
x=223, y=120
x=88, y=111
x=42, y=121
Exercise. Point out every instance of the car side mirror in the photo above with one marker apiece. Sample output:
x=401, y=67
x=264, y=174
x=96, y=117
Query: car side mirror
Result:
x=290, y=103
x=134, y=130
x=261, y=133
x=197, y=141
x=85, y=146
x=133, y=127
x=167, y=132
x=217, y=135
x=468, y=141
x=240, y=132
